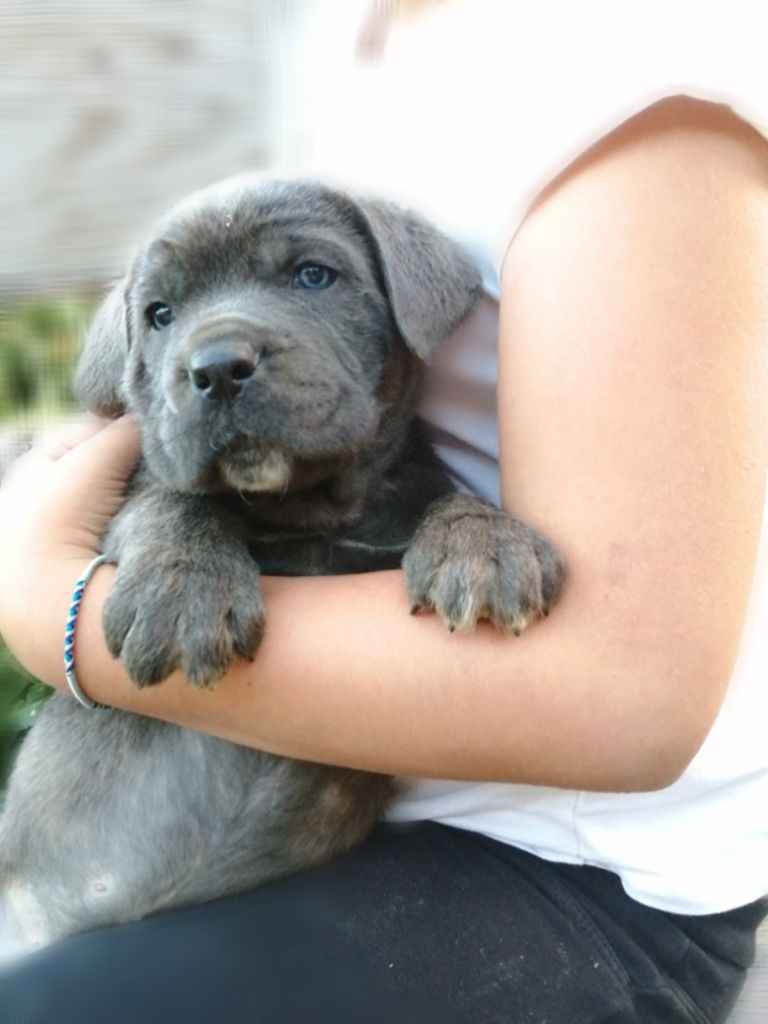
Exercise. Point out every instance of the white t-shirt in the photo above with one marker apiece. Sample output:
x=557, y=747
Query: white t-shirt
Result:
x=480, y=104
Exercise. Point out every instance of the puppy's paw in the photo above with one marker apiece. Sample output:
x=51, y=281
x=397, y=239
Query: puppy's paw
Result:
x=169, y=614
x=468, y=561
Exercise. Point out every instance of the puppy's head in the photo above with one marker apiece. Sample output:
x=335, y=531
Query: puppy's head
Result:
x=267, y=333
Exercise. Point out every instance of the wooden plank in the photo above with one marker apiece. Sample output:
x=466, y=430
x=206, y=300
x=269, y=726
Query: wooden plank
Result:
x=109, y=112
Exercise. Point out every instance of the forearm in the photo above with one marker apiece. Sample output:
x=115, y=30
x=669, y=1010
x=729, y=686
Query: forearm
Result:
x=346, y=675
x=631, y=401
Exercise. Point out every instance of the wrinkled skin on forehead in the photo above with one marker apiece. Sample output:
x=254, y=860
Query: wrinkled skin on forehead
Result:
x=322, y=394
x=226, y=268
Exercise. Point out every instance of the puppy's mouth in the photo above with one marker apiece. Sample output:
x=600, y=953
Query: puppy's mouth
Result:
x=260, y=469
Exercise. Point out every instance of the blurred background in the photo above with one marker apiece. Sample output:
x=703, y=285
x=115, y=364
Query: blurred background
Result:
x=110, y=111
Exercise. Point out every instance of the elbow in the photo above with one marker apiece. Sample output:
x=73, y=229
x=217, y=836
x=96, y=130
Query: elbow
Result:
x=669, y=726
x=657, y=766
x=653, y=761
x=675, y=752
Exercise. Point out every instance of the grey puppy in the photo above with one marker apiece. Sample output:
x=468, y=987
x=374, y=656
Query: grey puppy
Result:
x=269, y=338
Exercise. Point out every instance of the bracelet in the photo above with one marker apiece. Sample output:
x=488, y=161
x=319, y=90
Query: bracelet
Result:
x=69, y=637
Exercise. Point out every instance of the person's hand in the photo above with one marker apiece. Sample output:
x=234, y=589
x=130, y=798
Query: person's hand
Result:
x=60, y=496
x=56, y=501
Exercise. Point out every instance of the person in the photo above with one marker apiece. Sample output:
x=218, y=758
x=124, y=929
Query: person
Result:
x=608, y=860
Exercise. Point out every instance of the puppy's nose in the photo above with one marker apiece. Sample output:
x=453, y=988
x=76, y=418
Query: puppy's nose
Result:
x=220, y=370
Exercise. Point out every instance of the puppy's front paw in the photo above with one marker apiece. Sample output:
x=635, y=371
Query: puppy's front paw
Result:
x=469, y=560
x=166, y=614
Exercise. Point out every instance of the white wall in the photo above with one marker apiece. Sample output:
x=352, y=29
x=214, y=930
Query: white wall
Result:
x=112, y=109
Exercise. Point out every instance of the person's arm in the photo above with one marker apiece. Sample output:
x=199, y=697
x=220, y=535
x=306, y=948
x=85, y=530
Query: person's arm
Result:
x=632, y=395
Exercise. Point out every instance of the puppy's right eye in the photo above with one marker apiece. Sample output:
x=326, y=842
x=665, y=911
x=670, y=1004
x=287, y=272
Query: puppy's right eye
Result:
x=158, y=315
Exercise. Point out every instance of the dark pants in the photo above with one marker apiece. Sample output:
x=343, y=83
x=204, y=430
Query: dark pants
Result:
x=422, y=924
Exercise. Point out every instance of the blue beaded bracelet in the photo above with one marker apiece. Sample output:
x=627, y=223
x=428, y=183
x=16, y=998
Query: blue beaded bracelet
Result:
x=69, y=637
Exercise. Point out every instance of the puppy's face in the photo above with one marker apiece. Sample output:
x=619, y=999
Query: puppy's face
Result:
x=267, y=332
x=260, y=337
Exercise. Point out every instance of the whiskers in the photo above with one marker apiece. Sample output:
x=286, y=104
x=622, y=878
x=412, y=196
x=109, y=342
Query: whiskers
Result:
x=167, y=441
x=197, y=458
x=242, y=496
x=149, y=450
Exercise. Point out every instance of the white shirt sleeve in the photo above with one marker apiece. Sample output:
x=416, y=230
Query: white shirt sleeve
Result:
x=478, y=105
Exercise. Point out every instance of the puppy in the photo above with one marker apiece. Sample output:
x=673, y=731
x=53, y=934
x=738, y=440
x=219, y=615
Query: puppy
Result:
x=270, y=339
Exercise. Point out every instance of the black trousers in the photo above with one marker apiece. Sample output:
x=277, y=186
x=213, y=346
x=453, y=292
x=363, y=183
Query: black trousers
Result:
x=422, y=924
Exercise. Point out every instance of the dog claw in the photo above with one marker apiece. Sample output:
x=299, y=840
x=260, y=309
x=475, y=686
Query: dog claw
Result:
x=470, y=561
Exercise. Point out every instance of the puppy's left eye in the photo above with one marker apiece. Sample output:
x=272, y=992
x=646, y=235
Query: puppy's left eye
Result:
x=314, y=276
x=158, y=315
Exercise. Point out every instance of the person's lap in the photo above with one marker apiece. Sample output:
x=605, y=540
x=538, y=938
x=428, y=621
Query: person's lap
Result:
x=420, y=924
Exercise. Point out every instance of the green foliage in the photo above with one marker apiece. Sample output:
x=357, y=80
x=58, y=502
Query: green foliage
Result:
x=21, y=698
x=39, y=341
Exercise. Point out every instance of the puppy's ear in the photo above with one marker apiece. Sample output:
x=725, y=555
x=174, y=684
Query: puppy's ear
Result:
x=98, y=379
x=431, y=281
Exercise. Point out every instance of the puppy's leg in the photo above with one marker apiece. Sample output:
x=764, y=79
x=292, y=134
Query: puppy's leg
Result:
x=469, y=560
x=187, y=592
x=114, y=816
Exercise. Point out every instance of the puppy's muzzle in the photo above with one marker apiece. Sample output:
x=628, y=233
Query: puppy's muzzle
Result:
x=219, y=370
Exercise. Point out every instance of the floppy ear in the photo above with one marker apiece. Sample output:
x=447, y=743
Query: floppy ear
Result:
x=432, y=283
x=99, y=375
